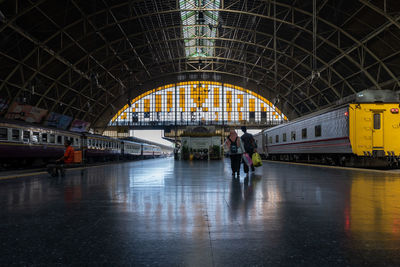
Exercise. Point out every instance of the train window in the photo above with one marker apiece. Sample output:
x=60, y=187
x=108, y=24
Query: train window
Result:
x=270, y=139
x=293, y=136
x=35, y=137
x=284, y=137
x=52, y=139
x=3, y=134
x=15, y=135
x=277, y=139
x=26, y=136
x=44, y=137
x=318, y=131
x=377, y=121
x=304, y=133
x=59, y=139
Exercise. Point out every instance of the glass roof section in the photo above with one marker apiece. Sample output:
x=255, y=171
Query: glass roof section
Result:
x=199, y=27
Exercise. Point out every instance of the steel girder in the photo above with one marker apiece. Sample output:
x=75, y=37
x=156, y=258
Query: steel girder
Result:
x=109, y=85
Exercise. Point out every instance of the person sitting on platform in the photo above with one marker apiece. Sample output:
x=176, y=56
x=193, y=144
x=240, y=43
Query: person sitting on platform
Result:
x=68, y=158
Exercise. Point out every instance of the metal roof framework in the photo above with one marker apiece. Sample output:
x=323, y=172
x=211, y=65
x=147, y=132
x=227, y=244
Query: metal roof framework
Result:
x=86, y=59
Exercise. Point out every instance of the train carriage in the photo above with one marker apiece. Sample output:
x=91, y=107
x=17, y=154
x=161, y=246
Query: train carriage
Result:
x=102, y=148
x=22, y=144
x=131, y=150
x=148, y=151
x=362, y=133
x=260, y=141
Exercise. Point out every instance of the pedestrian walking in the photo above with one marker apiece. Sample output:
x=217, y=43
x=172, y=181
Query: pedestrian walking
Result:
x=233, y=145
x=249, y=145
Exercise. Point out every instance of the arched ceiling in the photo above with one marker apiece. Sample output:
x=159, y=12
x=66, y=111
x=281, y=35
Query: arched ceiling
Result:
x=87, y=58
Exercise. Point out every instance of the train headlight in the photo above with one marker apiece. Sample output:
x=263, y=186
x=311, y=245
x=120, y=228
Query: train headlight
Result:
x=394, y=110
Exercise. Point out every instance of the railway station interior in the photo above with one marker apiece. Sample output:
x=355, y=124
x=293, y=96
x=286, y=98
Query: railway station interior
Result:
x=199, y=133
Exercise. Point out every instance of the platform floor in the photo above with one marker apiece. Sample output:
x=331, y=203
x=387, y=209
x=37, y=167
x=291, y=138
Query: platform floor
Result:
x=166, y=213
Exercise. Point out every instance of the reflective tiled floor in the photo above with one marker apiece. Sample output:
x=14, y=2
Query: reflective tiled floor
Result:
x=166, y=213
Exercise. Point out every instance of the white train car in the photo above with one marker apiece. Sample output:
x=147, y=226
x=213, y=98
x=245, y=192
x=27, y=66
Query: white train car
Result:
x=260, y=141
x=323, y=135
x=131, y=150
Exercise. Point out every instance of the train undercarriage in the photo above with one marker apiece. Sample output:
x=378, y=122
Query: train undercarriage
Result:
x=345, y=160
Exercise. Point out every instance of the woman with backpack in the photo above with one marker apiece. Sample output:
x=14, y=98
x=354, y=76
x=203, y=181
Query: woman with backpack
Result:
x=235, y=151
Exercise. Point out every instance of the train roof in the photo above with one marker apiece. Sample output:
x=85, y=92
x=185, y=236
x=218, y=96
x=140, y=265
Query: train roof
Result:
x=362, y=97
x=319, y=112
x=142, y=141
x=33, y=125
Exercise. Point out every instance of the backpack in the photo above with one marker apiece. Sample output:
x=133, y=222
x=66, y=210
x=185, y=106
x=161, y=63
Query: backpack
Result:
x=249, y=143
x=234, y=147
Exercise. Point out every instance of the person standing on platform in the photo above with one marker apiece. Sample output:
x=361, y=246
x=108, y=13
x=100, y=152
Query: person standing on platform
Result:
x=233, y=146
x=249, y=145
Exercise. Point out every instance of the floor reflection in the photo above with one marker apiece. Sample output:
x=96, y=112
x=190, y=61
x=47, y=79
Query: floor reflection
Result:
x=187, y=213
x=374, y=208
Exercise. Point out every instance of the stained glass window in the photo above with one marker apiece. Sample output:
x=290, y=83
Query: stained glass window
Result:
x=198, y=102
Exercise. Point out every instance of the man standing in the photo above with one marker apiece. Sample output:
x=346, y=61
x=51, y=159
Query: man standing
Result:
x=249, y=147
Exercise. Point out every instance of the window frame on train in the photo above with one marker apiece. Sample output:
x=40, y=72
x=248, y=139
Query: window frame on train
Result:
x=52, y=138
x=26, y=138
x=293, y=136
x=12, y=134
x=304, y=133
x=377, y=121
x=35, y=137
x=4, y=134
x=318, y=130
x=284, y=137
x=45, y=138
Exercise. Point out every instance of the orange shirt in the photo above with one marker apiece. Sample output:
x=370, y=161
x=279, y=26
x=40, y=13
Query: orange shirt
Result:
x=69, y=155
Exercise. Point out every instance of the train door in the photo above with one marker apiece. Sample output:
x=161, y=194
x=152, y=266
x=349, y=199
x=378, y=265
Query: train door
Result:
x=377, y=129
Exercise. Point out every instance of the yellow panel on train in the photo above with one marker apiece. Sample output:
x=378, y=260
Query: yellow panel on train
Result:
x=374, y=127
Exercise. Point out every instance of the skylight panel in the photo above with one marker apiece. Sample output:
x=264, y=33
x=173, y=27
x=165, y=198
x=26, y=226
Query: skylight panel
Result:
x=198, y=25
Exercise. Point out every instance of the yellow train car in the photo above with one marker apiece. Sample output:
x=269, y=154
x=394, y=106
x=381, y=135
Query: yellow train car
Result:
x=364, y=133
x=374, y=129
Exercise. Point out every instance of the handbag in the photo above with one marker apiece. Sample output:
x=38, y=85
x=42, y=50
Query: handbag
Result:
x=256, y=158
x=247, y=159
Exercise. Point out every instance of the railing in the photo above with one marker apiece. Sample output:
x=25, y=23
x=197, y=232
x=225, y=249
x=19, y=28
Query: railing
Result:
x=195, y=123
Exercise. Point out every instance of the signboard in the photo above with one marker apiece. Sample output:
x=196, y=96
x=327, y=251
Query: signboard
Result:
x=79, y=126
x=58, y=120
x=27, y=113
